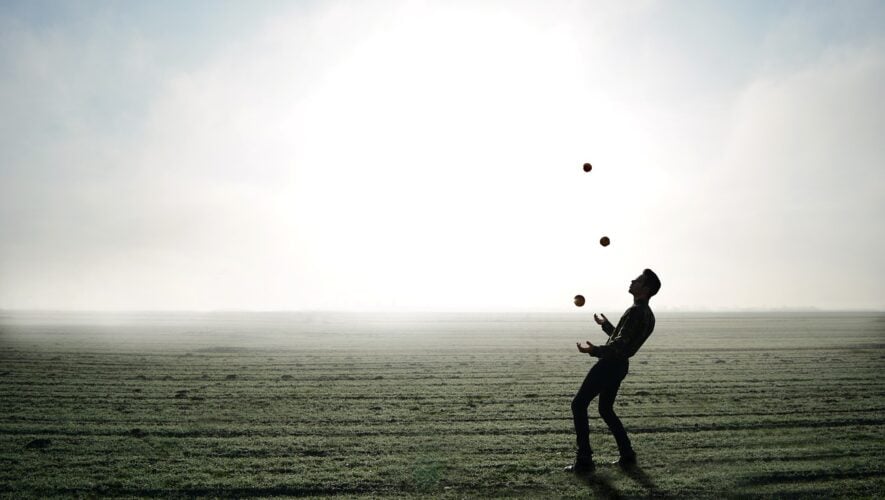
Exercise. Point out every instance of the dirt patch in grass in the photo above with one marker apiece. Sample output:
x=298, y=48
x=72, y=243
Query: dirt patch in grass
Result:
x=313, y=453
x=39, y=444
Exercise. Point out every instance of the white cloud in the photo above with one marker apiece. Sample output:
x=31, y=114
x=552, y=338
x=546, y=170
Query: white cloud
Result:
x=790, y=214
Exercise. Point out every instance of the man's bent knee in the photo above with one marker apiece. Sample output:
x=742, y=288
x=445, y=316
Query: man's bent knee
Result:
x=579, y=405
x=607, y=412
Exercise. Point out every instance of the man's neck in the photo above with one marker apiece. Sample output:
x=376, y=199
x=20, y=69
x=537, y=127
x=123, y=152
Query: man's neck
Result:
x=640, y=301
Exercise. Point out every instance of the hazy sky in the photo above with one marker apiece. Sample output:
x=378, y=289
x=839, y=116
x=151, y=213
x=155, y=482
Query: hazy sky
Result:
x=426, y=155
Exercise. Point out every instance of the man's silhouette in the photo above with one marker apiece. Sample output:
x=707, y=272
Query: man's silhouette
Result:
x=605, y=377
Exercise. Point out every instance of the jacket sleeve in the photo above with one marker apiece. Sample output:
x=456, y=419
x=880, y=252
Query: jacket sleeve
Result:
x=608, y=328
x=625, y=343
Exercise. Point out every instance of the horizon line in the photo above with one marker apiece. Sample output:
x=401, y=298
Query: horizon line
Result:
x=808, y=309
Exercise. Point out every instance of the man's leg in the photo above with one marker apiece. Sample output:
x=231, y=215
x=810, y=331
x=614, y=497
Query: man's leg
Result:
x=591, y=386
x=607, y=412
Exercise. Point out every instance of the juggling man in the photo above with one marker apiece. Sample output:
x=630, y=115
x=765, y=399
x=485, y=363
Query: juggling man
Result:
x=605, y=377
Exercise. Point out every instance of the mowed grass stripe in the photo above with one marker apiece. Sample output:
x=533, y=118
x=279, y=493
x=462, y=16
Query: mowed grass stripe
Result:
x=382, y=416
x=405, y=429
x=709, y=444
x=858, y=376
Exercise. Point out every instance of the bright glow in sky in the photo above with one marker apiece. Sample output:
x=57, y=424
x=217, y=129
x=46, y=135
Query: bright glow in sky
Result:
x=426, y=155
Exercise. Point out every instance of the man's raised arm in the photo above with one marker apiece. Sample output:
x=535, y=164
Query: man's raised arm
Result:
x=630, y=336
x=606, y=325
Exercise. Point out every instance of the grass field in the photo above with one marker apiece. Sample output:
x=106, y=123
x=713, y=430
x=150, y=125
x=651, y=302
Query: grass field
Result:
x=445, y=405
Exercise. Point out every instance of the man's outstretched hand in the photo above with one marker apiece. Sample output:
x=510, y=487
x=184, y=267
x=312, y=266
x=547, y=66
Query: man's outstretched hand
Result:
x=600, y=321
x=585, y=350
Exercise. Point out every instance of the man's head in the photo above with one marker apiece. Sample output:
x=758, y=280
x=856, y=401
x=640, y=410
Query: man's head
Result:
x=646, y=285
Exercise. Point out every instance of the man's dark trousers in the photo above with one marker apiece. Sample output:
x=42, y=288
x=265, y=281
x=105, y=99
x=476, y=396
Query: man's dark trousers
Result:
x=603, y=380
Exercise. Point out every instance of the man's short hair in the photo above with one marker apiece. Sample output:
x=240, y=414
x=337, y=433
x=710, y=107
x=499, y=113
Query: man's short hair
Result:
x=651, y=282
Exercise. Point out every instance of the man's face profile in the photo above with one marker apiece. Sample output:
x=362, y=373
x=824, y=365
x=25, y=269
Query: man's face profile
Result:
x=637, y=284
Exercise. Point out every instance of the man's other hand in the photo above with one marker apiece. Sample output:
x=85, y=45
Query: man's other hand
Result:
x=600, y=320
x=585, y=350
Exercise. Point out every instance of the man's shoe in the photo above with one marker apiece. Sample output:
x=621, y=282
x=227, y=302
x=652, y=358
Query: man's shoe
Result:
x=626, y=461
x=581, y=466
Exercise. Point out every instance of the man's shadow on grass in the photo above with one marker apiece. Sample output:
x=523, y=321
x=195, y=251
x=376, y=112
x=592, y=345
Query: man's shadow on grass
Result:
x=602, y=487
x=637, y=474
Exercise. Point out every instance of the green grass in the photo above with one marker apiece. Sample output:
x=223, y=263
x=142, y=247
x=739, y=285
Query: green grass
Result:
x=453, y=405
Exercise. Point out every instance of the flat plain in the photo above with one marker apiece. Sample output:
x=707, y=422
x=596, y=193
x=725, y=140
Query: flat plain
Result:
x=443, y=405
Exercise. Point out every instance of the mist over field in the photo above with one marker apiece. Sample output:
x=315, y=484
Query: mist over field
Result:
x=380, y=332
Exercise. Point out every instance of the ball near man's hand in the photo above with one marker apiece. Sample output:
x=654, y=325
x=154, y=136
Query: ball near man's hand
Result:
x=579, y=300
